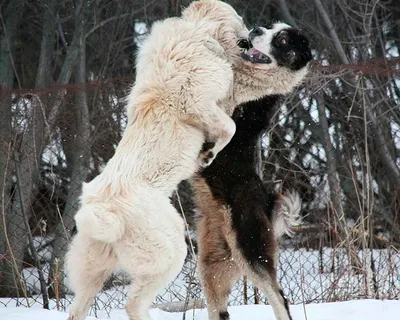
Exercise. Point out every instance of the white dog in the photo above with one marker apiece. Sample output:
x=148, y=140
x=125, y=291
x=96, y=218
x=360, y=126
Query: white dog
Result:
x=126, y=218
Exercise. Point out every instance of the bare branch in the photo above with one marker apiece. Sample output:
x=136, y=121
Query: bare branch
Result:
x=332, y=32
x=286, y=13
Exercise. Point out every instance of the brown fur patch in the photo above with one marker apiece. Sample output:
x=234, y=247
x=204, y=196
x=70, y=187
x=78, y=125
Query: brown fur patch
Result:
x=221, y=263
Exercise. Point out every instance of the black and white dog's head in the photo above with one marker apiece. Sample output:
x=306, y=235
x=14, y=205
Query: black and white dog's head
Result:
x=277, y=45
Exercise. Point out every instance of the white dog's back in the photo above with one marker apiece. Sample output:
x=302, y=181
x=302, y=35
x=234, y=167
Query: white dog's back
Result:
x=126, y=215
x=178, y=72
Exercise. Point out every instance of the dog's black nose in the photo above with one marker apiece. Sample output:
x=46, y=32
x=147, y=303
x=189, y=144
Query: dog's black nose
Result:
x=256, y=32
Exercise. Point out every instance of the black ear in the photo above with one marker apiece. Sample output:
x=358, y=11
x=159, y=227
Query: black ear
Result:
x=269, y=25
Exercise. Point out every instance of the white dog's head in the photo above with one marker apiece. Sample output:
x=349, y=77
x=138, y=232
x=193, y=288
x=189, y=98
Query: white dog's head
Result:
x=224, y=23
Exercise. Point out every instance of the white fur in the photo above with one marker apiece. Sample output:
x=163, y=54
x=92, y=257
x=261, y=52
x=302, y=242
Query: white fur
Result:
x=286, y=214
x=184, y=70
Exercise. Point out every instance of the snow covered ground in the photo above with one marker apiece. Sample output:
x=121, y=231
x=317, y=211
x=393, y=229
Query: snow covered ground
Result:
x=305, y=276
x=350, y=310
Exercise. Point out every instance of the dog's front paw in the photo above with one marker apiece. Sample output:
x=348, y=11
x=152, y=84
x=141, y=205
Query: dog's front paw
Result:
x=206, y=155
x=206, y=158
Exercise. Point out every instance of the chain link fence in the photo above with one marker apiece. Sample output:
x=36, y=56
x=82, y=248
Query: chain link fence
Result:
x=336, y=141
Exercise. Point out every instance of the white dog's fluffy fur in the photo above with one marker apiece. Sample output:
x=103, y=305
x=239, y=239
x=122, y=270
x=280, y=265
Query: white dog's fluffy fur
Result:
x=186, y=69
x=126, y=217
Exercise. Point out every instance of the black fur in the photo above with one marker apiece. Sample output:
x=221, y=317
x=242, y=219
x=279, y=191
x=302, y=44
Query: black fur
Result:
x=224, y=315
x=232, y=179
x=291, y=49
x=207, y=146
x=232, y=176
x=206, y=154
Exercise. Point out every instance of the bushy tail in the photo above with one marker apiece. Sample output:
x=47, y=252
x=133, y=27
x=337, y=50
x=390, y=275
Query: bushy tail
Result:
x=100, y=223
x=286, y=214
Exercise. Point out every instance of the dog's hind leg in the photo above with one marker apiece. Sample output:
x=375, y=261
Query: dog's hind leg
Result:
x=144, y=290
x=269, y=286
x=153, y=258
x=218, y=270
x=88, y=264
x=146, y=286
x=217, y=280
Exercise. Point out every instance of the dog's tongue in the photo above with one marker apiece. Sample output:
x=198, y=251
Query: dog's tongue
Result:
x=255, y=53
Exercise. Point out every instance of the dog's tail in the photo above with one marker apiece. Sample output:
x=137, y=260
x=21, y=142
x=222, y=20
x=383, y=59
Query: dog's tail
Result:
x=100, y=223
x=286, y=213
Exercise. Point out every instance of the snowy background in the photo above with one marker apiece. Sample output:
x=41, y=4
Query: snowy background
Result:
x=306, y=276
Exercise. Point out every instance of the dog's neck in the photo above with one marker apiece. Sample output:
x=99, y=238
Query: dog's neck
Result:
x=252, y=84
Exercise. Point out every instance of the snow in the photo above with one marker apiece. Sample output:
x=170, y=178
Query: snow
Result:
x=350, y=310
x=305, y=276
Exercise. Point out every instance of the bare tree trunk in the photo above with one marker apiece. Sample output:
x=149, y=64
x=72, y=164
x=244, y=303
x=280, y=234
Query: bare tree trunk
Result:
x=174, y=8
x=36, y=134
x=333, y=177
x=43, y=77
x=9, y=26
x=286, y=13
x=35, y=256
x=386, y=159
x=6, y=268
x=332, y=32
x=27, y=161
x=10, y=282
x=80, y=153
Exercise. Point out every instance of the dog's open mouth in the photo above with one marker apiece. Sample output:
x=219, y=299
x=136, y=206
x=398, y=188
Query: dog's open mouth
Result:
x=255, y=56
x=251, y=54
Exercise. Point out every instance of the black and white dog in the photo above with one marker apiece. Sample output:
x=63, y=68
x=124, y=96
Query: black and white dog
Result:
x=239, y=222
